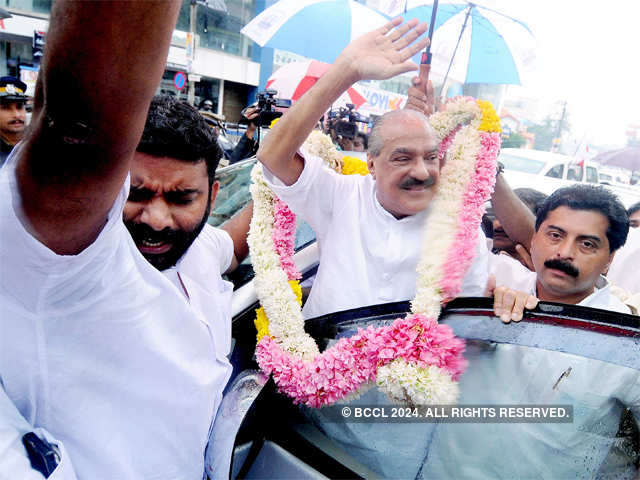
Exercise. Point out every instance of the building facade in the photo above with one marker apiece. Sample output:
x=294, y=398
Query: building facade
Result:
x=207, y=49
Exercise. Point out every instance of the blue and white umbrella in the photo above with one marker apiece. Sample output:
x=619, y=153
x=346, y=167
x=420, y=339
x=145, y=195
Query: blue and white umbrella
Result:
x=486, y=46
x=317, y=29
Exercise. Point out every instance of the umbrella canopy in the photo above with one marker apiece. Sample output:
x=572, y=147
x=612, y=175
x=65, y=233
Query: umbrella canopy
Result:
x=485, y=45
x=294, y=79
x=625, y=158
x=318, y=29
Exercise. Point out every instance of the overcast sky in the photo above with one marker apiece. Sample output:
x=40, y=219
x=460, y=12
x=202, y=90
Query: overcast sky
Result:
x=588, y=55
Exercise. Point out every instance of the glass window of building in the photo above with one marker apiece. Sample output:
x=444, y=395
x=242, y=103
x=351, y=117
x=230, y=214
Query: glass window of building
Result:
x=218, y=29
x=38, y=6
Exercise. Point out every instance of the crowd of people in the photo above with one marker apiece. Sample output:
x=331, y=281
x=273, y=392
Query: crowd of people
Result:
x=115, y=319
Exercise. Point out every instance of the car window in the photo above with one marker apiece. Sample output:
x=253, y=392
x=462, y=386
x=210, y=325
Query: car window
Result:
x=592, y=175
x=574, y=173
x=556, y=172
x=520, y=164
x=605, y=178
x=233, y=195
x=565, y=356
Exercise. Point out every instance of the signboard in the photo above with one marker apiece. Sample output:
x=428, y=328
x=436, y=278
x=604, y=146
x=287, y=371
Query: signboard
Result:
x=21, y=26
x=180, y=80
x=380, y=101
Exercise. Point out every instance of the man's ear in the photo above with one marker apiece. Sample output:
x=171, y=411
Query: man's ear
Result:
x=371, y=166
x=605, y=269
x=214, y=192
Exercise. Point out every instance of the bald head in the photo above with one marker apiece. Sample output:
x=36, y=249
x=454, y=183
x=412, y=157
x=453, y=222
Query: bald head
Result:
x=376, y=137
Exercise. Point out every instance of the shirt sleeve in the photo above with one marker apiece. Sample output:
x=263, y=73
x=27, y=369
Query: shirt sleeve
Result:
x=509, y=272
x=225, y=244
x=475, y=281
x=213, y=244
x=316, y=194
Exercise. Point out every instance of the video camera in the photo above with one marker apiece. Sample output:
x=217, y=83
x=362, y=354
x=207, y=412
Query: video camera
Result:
x=266, y=107
x=346, y=129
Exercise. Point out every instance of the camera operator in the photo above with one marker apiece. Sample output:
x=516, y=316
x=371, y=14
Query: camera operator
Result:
x=260, y=114
x=247, y=146
x=360, y=142
x=343, y=129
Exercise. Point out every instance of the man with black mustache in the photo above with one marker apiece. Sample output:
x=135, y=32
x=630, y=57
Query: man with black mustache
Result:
x=578, y=231
x=13, y=116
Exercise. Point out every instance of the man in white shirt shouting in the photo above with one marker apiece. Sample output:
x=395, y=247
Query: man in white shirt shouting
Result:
x=100, y=355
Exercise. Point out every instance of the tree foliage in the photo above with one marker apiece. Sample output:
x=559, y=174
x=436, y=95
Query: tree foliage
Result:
x=515, y=140
x=553, y=126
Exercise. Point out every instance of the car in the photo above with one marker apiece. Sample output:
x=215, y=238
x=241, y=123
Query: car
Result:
x=547, y=164
x=614, y=176
x=546, y=172
x=259, y=433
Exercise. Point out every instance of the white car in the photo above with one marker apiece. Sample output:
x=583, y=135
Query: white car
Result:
x=546, y=172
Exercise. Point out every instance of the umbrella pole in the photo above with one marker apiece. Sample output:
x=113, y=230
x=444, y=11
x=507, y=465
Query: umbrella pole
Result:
x=464, y=25
x=425, y=61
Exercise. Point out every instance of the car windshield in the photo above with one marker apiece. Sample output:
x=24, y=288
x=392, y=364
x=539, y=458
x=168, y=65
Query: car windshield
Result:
x=520, y=164
x=578, y=359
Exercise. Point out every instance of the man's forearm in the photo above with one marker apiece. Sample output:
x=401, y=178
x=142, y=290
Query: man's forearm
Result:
x=278, y=149
x=102, y=64
x=517, y=220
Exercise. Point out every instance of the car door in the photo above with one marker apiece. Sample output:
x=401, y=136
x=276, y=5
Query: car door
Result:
x=581, y=359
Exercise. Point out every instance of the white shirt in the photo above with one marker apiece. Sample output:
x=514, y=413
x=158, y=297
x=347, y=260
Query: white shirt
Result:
x=198, y=275
x=511, y=273
x=625, y=268
x=102, y=352
x=367, y=256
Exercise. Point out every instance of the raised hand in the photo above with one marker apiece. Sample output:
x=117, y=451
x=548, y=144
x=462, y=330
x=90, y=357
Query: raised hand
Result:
x=385, y=52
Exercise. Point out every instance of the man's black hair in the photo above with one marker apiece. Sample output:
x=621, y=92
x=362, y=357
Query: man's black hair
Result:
x=589, y=197
x=531, y=197
x=633, y=208
x=175, y=129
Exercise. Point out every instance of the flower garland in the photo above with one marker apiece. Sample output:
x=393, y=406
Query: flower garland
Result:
x=414, y=360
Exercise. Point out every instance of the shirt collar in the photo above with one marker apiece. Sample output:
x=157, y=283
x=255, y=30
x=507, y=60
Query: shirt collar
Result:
x=388, y=217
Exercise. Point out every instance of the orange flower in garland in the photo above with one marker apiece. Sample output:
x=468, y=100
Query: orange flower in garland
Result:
x=490, y=120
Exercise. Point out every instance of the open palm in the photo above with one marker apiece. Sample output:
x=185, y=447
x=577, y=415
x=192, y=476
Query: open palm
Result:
x=385, y=52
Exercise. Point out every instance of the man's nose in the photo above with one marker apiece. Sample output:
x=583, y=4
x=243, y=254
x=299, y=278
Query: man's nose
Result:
x=157, y=214
x=496, y=224
x=566, y=250
x=420, y=171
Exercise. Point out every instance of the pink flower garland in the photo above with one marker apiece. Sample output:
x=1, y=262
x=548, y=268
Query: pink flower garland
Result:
x=353, y=361
x=417, y=339
x=479, y=189
x=284, y=234
x=446, y=143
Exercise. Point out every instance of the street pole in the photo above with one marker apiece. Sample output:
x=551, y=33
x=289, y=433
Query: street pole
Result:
x=561, y=124
x=191, y=93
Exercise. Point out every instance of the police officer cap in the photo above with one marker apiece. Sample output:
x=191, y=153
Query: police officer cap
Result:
x=12, y=89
